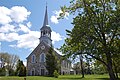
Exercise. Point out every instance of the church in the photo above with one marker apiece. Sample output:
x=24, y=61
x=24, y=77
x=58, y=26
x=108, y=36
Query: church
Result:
x=36, y=61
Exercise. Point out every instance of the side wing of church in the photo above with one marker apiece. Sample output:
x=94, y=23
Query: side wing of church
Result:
x=36, y=63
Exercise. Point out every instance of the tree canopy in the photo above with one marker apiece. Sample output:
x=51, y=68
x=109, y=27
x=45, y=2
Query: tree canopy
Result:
x=96, y=30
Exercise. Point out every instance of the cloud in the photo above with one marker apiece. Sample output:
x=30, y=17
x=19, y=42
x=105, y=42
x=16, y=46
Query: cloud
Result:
x=25, y=63
x=4, y=15
x=7, y=28
x=15, y=14
x=19, y=14
x=8, y=37
x=31, y=39
x=14, y=26
x=23, y=28
x=55, y=37
x=54, y=18
x=29, y=24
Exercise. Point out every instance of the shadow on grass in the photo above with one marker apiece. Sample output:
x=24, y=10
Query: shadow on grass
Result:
x=71, y=78
x=102, y=78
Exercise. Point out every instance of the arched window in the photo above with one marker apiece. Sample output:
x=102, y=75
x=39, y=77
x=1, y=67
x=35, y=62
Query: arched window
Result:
x=42, y=57
x=33, y=58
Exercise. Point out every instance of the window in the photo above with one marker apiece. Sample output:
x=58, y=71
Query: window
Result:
x=33, y=58
x=42, y=57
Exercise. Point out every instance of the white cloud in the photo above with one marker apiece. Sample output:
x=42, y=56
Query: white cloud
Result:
x=4, y=15
x=31, y=39
x=29, y=24
x=55, y=37
x=54, y=18
x=8, y=37
x=7, y=28
x=19, y=13
x=25, y=63
x=13, y=22
x=16, y=14
x=4, y=19
x=4, y=10
x=24, y=28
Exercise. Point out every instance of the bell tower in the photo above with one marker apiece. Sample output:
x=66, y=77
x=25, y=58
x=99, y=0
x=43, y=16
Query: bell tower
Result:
x=46, y=30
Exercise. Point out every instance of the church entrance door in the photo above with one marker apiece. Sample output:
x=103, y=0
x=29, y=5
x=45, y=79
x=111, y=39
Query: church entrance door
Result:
x=42, y=72
x=33, y=73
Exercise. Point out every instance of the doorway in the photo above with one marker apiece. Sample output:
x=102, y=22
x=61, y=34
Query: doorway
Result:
x=42, y=72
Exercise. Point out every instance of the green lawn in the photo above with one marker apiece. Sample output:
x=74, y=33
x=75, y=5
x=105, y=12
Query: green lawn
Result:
x=65, y=77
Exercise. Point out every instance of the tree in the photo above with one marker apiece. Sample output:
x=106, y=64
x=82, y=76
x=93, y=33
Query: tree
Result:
x=20, y=69
x=2, y=71
x=9, y=61
x=51, y=62
x=99, y=68
x=96, y=30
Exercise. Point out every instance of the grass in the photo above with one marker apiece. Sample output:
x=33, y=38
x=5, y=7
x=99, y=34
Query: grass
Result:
x=61, y=77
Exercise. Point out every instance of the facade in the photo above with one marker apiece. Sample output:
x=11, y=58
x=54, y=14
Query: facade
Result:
x=36, y=63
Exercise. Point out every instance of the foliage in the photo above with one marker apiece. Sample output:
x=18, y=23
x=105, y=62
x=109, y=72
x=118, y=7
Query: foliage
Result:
x=51, y=62
x=9, y=63
x=56, y=74
x=99, y=68
x=2, y=71
x=21, y=69
x=96, y=30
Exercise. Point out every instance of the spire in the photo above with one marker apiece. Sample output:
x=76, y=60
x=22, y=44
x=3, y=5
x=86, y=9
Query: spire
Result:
x=45, y=18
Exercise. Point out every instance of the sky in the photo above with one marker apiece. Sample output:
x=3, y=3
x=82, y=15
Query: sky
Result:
x=21, y=20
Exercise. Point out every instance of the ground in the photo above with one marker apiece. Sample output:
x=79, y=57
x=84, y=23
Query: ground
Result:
x=65, y=77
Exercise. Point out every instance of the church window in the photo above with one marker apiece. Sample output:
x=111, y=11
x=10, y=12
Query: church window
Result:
x=42, y=57
x=33, y=58
x=43, y=33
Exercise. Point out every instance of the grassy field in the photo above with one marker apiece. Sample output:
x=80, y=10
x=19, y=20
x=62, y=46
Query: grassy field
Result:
x=65, y=77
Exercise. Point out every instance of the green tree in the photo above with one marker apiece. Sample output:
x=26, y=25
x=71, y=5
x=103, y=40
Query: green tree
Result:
x=2, y=71
x=20, y=69
x=99, y=68
x=96, y=30
x=51, y=62
x=9, y=61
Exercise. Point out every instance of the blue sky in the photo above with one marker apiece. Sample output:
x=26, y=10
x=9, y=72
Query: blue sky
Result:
x=21, y=20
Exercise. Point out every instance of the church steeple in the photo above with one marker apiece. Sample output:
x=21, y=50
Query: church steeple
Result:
x=46, y=30
x=45, y=18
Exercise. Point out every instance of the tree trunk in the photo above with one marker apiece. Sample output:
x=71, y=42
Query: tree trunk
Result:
x=81, y=63
x=115, y=69
x=109, y=66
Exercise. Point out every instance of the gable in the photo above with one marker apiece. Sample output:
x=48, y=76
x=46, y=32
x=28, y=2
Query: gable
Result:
x=39, y=49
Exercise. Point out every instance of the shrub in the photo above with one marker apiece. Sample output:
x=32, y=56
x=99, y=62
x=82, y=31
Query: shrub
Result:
x=56, y=74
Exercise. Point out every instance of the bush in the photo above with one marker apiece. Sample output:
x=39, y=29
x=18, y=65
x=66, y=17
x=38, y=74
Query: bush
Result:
x=2, y=71
x=56, y=74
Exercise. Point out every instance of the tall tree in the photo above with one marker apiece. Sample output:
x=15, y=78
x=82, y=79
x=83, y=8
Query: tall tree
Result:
x=51, y=62
x=20, y=69
x=96, y=30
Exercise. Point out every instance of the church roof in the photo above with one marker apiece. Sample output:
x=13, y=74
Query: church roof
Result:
x=39, y=48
